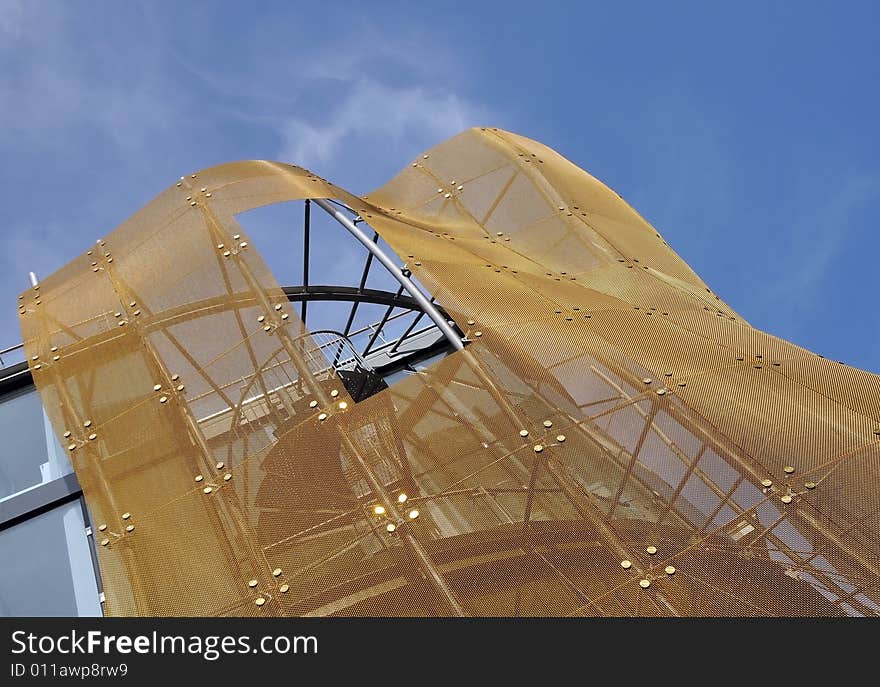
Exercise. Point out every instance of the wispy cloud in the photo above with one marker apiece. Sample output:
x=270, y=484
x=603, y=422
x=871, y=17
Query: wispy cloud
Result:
x=392, y=115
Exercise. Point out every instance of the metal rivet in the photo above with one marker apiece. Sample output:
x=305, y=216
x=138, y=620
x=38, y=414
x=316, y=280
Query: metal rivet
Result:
x=313, y=404
x=261, y=318
x=647, y=380
x=104, y=542
x=661, y=392
x=560, y=438
x=767, y=483
x=267, y=328
x=278, y=306
x=163, y=399
x=471, y=322
x=682, y=384
x=538, y=448
x=199, y=478
x=136, y=313
x=626, y=565
x=478, y=334
x=174, y=378
x=390, y=527
x=379, y=509
x=413, y=514
x=102, y=527
x=56, y=358
x=243, y=244
x=208, y=490
x=227, y=477
x=157, y=387
x=221, y=246
x=644, y=584
x=284, y=588
x=548, y=423
x=117, y=314
x=180, y=387
x=226, y=254
x=203, y=189
x=67, y=434
x=132, y=304
x=322, y=417
x=788, y=469
x=71, y=447
x=651, y=550
x=220, y=465
x=334, y=393
x=524, y=432
x=276, y=572
x=810, y=485
x=670, y=570
x=343, y=405
x=252, y=584
x=786, y=498
x=126, y=516
x=260, y=601
x=92, y=436
x=37, y=366
x=401, y=498
x=130, y=528
x=236, y=236
x=121, y=323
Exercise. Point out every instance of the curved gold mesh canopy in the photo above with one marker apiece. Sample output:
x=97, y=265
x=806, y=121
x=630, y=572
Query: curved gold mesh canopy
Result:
x=613, y=440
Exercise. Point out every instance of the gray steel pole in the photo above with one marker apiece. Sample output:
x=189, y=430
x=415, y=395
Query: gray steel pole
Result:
x=395, y=271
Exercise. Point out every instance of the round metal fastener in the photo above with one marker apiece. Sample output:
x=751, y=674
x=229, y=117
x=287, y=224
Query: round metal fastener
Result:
x=220, y=465
x=810, y=485
x=334, y=393
x=227, y=477
x=560, y=438
x=92, y=436
x=260, y=601
x=208, y=490
x=651, y=550
x=126, y=516
x=276, y=572
x=322, y=417
x=478, y=334
x=661, y=392
x=644, y=584
x=313, y=404
x=786, y=498
x=199, y=478
x=788, y=469
x=548, y=423
x=87, y=423
x=102, y=527
x=767, y=483
x=670, y=570
x=104, y=542
x=130, y=528
x=390, y=527
x=626, y=565
x=413, y=514
x=252, y=584
x=647, y=380
x=538, y=448
x=284, y=588
x=524, y=432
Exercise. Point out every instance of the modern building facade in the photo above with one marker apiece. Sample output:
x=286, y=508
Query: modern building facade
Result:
x=567, y=421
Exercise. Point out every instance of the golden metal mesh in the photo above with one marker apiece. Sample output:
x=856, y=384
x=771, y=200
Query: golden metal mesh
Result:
x=614, y=441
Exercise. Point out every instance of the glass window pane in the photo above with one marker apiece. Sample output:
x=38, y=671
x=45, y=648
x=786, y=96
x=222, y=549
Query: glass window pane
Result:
x=31, y=454
x=47, y=566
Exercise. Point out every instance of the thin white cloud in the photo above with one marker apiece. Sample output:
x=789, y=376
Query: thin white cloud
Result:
x=387, y=114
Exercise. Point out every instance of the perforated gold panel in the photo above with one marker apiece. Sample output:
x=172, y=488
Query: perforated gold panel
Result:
x=615, y=440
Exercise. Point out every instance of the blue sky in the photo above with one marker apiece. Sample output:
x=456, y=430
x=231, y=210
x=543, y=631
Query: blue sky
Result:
x=746, y=134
